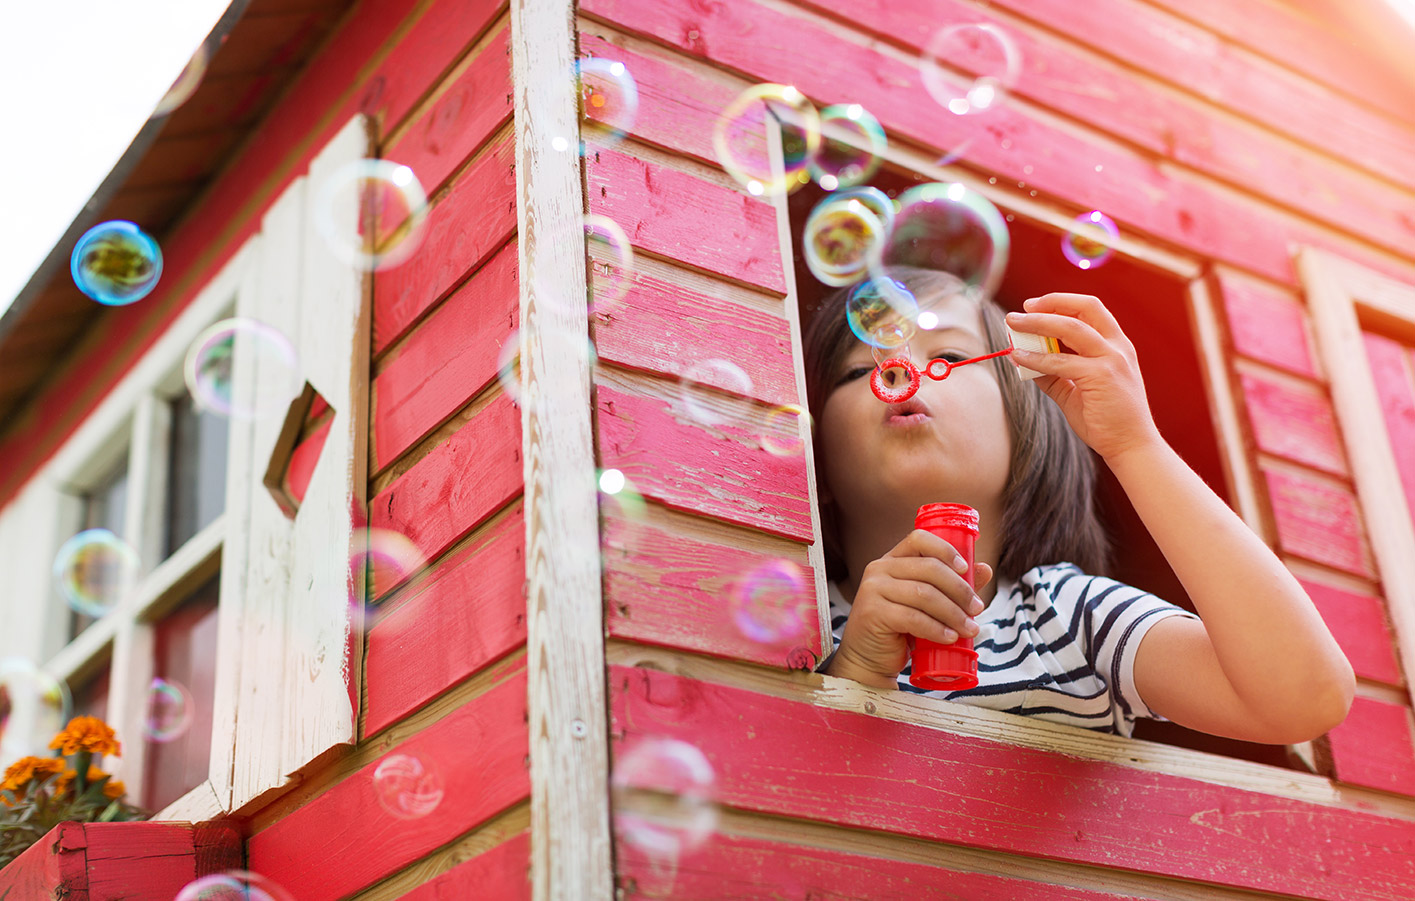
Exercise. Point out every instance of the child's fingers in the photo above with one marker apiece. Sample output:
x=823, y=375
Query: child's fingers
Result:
x=929, y=573
x=1062, y=366
x=1086, y=307
x=1078, y=334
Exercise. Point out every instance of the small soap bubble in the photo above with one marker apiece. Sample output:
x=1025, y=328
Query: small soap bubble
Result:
x=719, y=375
x=882, y=312
x=611, y=481
x=233, y=885
x=94, y=570
x=768, y=605
x=210, y=369
x=407, y=786
x=852, y=144
x=740, y=138
x=508, y=366
x=842, y=237
x=982, y=49
x=786, y=430
x=1090, y=240
x=383, y=559
x=950, y=228
x=186, y=84
x=608, y=99
x=169, y=710
x=685, y=818
x=33, y=707
x=116, y=263
x=611, y=262
x=371, y=214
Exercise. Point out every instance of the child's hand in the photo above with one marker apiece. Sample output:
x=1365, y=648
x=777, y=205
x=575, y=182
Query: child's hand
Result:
x=1099, y=387
x=914, y=590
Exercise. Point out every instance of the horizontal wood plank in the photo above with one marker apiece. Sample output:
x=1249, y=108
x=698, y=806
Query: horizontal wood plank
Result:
x=303, y=459
x=1375, y=747
x=345, y=840
x=1267, y=324
x=469, y=612
x=861, y=771
x=1393, y=369
x=1358, y=623
x=501, y=874
x=1319, y=522
x=1296, y=422
x=447, y=360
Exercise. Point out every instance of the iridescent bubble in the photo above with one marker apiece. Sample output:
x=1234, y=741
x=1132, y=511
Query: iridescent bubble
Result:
x=170, y=709
x=609, y=101
x=556, y=343
x=768, y=605
x=371, y=214
x=188, y=80
x=210, y=369
x=94, y=570
x=233, y=885
x=116, y=263
x=984, y=50
x=1090, y=240
x=843, y=237
x=786, y=429
x=882, y=312
x=611, y=262
x=33, y=707
x=721, y=375
x=951, y=228
x=508, y=366
x=382, y=560
x=852, y=144
x=406, y=786
x=740, y=138
x=677, y=772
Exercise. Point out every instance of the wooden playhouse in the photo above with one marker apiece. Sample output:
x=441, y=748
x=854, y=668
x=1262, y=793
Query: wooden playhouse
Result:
x=1257, y=158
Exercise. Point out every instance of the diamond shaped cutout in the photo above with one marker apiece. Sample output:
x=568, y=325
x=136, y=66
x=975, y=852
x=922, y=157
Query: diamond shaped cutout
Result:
x=298, y=448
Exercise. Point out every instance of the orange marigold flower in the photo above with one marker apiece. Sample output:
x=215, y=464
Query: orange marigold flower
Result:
x=86, y=733
x=27, y=768
x=66, y=779
x=114, y=789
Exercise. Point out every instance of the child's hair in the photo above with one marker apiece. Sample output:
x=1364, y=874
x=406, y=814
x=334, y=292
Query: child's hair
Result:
x=1049, y=511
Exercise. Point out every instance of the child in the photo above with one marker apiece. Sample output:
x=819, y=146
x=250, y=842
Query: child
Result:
x=1053, y=641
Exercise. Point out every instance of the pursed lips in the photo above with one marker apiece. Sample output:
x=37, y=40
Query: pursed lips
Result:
x=910, y=411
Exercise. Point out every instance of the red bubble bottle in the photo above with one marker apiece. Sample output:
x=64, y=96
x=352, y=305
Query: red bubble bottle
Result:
x=948, y=667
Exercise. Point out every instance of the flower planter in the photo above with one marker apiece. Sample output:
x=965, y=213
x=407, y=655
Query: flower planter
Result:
x=135, y=861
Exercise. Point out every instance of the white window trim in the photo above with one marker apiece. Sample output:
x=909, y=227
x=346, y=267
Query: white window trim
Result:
x=1338, y=290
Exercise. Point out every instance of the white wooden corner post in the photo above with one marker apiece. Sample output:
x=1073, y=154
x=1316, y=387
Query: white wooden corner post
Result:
x=570, y=834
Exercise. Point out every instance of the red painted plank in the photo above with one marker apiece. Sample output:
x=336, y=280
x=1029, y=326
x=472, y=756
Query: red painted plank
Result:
x=1358, y=623
x=677, y=215
x=1319, y=522
x=682, y=592
x=501, y=874
x=463, y=229
x=1392, y=368
x=471, y=611
x=447, y=360
x=465, y=479
x=752, y=869
x=1374, y=747
x=472, y=107
x=1296, y=423
x=718, y=470
x=673, y=331
x=794, y=759
x=1267, y=325
x=344, y=840
x=302, y=461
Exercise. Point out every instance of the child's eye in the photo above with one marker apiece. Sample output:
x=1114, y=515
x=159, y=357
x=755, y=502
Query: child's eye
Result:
x=951, y=356
x=854, y=372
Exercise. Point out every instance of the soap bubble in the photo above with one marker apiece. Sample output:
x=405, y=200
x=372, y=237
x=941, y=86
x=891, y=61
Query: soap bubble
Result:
x=608, y=99
x=1090, y=240
x=982, y=48
x=233, y=885
x=170, y=709
x=719, y=374
x=33, y=707
x=739, y=138
x=407, y=787
x=953, y=229
x=767, y=606
x=209, y=369
x=611, y=259
x=666, y=767
x=786, y=430
x=116, y=263
x=94, y=570
x=852, y=143
x=188, y=80
x=882, y=312
x=382, y=560
x=555, y=341
x=842, y=238
x=371, y=214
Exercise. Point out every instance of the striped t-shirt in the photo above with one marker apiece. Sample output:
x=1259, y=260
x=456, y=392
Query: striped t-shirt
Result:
x=1056, y=644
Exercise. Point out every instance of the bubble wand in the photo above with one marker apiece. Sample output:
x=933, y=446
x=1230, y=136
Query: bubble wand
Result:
x=898, y=393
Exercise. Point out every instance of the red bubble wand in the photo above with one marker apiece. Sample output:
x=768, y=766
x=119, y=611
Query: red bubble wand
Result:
x=897, y=394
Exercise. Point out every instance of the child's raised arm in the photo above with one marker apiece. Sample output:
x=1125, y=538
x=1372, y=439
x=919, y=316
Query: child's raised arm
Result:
x=1261, y=666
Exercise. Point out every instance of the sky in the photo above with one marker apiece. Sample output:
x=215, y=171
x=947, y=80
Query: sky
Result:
x=81, y=77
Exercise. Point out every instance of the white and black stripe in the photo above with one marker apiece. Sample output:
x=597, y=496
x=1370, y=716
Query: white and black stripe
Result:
x=1056, y=644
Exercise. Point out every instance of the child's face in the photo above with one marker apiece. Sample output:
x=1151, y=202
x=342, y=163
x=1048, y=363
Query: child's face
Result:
x=949, y=443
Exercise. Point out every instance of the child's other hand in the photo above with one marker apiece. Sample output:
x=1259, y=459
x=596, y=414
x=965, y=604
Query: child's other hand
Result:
x=914, y=590
x=1099, y=387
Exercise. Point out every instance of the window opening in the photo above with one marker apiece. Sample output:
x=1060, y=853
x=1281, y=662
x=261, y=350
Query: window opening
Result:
x=196, y=474
x=104, y=506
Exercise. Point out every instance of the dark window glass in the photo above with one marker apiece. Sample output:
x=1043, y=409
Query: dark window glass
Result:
x=196, y=490
x=91, y=697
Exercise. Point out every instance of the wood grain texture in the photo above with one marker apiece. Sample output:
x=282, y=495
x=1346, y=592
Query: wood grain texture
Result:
x=717, y=468
x=677, y=215
x=901, y=778
x=1394, y=375
x=1375, y=747
x=479, y=752
x=468, y=613
x=447, y=360
x=1358, y=623
x=1266, y=324
x=1318, y=521
x=461, y=482
x=1294, y=421
x=501, y=874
